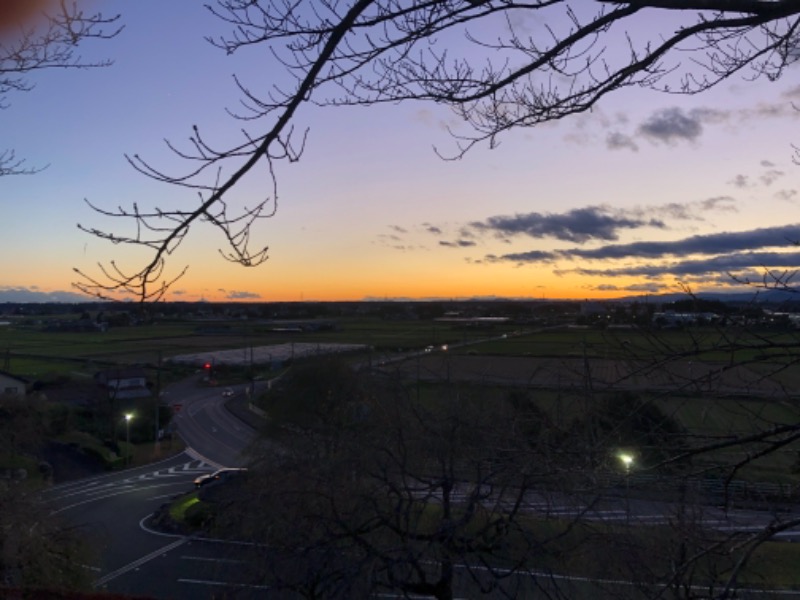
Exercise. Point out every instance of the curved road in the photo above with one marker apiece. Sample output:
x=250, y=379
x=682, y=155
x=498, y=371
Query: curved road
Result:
x=208, y=428
x=113, y=509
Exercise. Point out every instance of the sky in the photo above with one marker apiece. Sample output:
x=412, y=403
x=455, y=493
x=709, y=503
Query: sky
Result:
x=648, y=193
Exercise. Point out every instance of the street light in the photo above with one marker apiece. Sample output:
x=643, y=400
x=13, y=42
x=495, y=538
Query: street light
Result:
x=627, y=461
x=128, y=417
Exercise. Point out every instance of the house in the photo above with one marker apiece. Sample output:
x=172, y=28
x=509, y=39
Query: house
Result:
x=124, y=383
x=12, y=386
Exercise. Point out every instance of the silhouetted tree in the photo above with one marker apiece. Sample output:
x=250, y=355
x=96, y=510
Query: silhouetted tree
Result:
x=417, y=497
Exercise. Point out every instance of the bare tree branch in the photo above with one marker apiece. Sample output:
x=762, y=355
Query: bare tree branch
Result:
x=471, y=56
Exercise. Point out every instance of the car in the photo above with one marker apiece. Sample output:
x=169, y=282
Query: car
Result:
x=227, y=393
x=218, y=476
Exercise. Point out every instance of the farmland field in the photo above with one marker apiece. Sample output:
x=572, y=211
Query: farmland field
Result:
x=709, y=392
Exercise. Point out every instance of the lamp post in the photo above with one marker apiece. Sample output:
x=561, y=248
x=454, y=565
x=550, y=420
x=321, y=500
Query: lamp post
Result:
x=128, y=417
x=627, y=460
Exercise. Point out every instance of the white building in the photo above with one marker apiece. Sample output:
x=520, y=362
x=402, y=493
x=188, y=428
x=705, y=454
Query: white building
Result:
x=11, y=386
x=124, y=383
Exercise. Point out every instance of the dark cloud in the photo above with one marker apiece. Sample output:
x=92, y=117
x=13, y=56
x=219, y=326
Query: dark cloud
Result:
x=686, y=211
x=389, y=237
x=457, y=244
x=523, y=257
x=670, y=125
x=770, y=111
x=787, y=195
x=740, y=181
x=714, y=243
x=711, y=244
x=398, y=229
x=233, y=295
x=433, y=229
x=717, y=265
x=579, y=225
x=771, y=176
x=620, y=141
x=678, y=211
x=650, y=287
x=645, y=287
x=719, y=203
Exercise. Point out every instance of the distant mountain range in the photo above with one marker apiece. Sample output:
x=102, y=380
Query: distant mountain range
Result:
x=33, y=296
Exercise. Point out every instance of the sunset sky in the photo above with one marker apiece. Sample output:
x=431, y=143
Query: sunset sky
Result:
x=645, y=193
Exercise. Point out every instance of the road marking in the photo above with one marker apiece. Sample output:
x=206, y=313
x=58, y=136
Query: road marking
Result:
x=111, y=494
x=217, y=560
x=80, y=483
x=224, y=584
x=163, y=496
x=139, y=562
x=197, y=456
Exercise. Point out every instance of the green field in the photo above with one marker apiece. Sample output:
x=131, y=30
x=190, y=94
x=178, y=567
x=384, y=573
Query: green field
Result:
x=30, y=352
x=35, y=354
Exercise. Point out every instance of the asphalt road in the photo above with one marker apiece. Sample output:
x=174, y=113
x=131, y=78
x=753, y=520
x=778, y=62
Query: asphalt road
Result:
x=109, y=508
x=113, y=509
x=206, y=426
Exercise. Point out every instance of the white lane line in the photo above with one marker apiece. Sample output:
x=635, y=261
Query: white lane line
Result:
x=197, y=456
x=161, y=497
x=112, y=494
x=97, y=478
x=224, y=584
x=139, y=562
x=216, y=560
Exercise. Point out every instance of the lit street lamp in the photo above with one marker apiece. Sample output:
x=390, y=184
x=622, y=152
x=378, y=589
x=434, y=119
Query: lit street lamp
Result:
x=128, y=417
x=627, y=459
x=627, y=462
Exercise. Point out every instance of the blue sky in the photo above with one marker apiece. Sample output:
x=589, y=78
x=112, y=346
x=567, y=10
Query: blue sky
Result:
x=644, y=194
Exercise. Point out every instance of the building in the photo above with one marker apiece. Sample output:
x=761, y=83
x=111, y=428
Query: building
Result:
x=124, y=383
x=12, y=386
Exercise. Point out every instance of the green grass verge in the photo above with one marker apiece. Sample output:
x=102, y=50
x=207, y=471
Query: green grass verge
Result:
x=177, y=510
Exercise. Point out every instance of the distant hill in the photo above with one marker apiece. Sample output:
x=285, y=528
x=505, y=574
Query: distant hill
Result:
x=23, y=295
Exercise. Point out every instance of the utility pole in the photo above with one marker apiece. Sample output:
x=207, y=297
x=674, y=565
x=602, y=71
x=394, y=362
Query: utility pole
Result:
x=158, y=399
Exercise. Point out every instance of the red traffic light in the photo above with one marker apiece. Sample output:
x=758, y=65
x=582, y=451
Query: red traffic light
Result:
x=207, y=366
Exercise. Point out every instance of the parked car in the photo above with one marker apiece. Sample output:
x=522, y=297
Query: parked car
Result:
x=218, y=476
